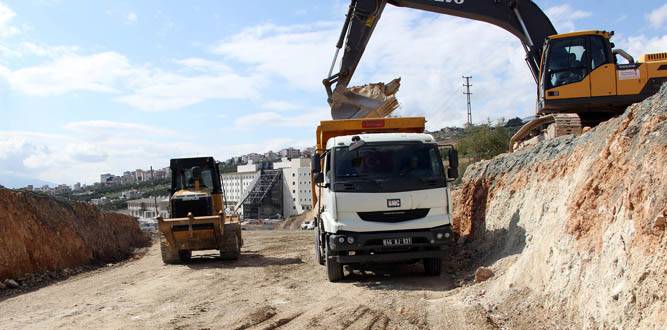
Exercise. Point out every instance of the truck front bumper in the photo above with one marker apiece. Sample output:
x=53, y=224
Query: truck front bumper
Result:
x=356, y=247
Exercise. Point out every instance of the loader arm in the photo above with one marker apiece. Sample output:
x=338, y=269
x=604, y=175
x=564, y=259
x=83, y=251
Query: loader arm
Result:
x=523, y=18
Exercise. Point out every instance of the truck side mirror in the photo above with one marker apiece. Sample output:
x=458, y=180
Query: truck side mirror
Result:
x=453, y=158
x=452, y=173
x=319, y=177
x=316, y=164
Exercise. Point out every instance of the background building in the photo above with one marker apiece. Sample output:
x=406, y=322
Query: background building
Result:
x=148, y=208
x=296, y=185
x=236, y=184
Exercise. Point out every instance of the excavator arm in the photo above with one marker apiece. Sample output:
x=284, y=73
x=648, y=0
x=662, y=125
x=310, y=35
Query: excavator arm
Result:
x=522, y=18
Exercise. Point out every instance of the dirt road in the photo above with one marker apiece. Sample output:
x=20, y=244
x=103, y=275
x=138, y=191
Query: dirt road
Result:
x=275, y=284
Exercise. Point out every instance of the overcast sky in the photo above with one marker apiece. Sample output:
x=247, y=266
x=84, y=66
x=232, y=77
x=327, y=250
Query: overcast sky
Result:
x=89, y=87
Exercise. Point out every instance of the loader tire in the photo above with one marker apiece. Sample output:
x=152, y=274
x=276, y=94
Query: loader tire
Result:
x=231, y=245
x=433, y=266
x=334, y=269
x=184, y=255
x=169, y=256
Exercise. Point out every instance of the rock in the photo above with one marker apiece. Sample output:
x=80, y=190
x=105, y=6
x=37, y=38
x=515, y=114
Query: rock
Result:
x=594, y=206
x=11, y=283
x=482, y=274
x=585, y=129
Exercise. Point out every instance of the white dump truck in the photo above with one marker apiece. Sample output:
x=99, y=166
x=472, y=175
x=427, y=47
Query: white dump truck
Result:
x=381, y=191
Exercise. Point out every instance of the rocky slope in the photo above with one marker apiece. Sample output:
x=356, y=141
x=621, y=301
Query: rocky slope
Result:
x=576, y=226
x=39, y=233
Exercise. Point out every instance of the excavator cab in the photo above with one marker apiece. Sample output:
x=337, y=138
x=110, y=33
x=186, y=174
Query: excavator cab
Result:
x=576, y=69
x=580, y=73
x=197, y=219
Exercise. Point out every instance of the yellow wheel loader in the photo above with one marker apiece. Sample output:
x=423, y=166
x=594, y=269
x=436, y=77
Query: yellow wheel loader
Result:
x=198, y=220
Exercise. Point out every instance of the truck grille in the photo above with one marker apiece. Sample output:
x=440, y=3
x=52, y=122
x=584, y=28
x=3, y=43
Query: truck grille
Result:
x=394, y=216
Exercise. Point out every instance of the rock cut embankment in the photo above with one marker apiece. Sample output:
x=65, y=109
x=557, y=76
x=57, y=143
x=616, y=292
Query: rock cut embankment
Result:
x=40, y=233
x=576, y=226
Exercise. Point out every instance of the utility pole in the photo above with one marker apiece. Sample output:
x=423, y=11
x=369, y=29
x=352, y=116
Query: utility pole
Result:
x=467, y=93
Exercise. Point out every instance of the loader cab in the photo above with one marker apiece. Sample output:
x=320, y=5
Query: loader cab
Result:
x=576, y=69
x=195, y=187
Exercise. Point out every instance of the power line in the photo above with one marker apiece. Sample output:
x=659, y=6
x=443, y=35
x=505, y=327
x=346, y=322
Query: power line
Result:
x=467, y=93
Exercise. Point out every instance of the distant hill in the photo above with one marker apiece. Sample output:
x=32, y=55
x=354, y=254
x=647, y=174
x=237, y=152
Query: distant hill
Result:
x=17, y=181
x=448, y=134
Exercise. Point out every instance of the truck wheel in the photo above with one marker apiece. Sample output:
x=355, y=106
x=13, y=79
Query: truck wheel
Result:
x=184, y=255
x=432, y=266
x=318, y=248
x=334, y=269
x=169, y=256
x=231, y=245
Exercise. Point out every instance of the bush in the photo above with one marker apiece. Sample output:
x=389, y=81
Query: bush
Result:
x=484, y=142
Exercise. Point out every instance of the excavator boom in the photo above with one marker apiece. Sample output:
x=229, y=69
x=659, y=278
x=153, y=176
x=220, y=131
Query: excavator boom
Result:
x=522, y=18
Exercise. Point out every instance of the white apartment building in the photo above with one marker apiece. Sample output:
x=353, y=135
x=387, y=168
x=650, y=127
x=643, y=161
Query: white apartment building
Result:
x=236, y=185
x=297, y=196
x=290, y=153
x=148, y=208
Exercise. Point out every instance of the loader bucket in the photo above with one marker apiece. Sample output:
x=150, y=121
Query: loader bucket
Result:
x=368, y=101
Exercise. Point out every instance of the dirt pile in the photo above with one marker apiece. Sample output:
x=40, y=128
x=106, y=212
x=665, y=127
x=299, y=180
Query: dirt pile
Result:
x=40, y=234
x=576, y=226
x=294, y=222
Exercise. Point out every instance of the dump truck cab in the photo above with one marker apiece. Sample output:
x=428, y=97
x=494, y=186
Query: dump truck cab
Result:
x=383, y=194
x=197, y=218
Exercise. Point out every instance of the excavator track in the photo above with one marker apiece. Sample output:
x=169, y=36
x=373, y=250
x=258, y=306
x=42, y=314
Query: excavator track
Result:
x=546, y=128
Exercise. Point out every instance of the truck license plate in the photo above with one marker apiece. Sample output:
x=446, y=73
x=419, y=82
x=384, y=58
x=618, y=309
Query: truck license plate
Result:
x=397, y=241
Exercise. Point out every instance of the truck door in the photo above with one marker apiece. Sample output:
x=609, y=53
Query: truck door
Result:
x=603, y=70
x=567, y=69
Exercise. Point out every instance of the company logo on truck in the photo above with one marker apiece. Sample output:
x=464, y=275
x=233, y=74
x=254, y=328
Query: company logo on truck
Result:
x=458, y=2
x=394, y=202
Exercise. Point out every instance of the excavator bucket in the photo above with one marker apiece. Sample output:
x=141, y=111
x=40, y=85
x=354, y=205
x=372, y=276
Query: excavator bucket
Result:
x=368, y=101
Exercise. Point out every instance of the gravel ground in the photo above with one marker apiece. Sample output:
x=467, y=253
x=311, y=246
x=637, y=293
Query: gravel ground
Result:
x=274, y=284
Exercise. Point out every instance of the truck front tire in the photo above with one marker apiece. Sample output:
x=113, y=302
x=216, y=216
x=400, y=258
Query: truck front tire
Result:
x=334, y=269
x=433, y=266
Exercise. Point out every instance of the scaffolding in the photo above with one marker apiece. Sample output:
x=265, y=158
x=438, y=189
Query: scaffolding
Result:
x=252, y=204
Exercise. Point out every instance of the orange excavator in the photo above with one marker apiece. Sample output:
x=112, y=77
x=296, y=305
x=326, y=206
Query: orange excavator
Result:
x=580, y=78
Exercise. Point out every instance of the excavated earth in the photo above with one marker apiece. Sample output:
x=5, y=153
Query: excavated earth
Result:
x=576, y=226
x=41, y=234
x=570, y=234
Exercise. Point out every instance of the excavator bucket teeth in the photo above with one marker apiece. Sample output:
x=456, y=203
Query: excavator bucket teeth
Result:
x=368, y=101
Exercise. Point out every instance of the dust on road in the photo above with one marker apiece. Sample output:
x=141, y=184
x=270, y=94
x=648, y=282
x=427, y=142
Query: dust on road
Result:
x=276, y=283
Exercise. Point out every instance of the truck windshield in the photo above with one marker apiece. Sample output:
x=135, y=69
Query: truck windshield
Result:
x=388, y=167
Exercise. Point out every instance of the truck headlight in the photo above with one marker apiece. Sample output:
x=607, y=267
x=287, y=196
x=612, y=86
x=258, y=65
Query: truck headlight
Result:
x=341, y=239
x=350, y=240
x=439, y=235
